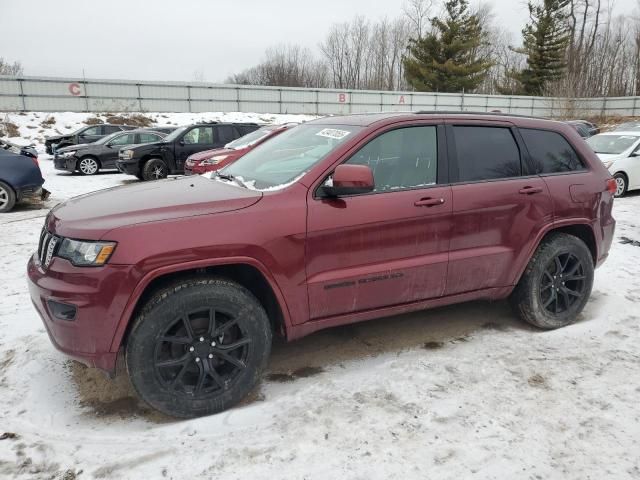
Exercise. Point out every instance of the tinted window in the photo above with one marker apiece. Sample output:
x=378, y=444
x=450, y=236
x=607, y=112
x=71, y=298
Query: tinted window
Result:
x=199, y=135
x=149, y=138
x=403, y=158
x=127, y=139
x=226, y=133
x=111, y=129
x=486, y=153
x=92, y=131
x=550, y=152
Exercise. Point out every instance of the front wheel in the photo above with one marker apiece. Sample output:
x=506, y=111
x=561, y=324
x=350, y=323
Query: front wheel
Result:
x=557, y=283
x=154, y=169
x=88, y=166
x=198, y=347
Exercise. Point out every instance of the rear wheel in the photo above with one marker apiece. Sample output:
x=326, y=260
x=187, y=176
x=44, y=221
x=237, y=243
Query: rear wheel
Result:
x=622, y=184
x=7, y=197
x=154, y=169
x=88, y=166
x=557, y=283
x=198, y=347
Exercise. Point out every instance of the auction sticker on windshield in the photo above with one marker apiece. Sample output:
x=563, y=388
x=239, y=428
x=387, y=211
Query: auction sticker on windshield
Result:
x=333, y=133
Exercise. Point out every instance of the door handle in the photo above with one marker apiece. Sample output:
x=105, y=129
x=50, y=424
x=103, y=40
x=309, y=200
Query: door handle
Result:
x=530, y=190
x=429, y=202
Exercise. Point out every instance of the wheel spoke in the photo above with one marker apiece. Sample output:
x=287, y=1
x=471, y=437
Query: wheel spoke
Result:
x=565, y=296
x=224, y=327
x=217, y=378
x=181, y=373
x=566, y=263
x=212, y=322
x=174, y=362
x=546, y=287
x=550, y=299
x=574, y=269
x=233, y=346
x=178, y=340
x=231, y=359
x=574, y=278
x=202, y=375
x=188, y=327
x=558, y=266
x=567, y=291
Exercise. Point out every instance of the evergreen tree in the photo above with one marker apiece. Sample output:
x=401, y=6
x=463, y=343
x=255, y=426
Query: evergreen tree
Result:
x=545, y=41
x=449, y=58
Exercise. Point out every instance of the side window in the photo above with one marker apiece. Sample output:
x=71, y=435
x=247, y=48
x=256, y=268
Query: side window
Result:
x=108, y=129
x=128, y=139
x=486, y=153
x=226, y=134
x=149, y=138
x=92, y=131
x=402, y=158
x=199, y=136
x=550, y=152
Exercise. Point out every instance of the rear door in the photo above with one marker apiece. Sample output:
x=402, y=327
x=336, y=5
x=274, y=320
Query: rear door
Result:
x=196, y=139
x=388, y=247
x=224, y=134
x=498, y=208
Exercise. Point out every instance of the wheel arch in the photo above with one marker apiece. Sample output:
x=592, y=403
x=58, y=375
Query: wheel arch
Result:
x=249, y=273
x=581, y=229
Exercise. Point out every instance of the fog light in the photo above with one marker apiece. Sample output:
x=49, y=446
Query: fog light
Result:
x=62, y=311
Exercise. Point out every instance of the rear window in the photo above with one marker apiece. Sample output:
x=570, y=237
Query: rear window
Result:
x=486, y=153
x=550, y=152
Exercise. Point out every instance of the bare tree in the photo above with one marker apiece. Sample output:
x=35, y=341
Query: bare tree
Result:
x=15, y=69
x=417, y=13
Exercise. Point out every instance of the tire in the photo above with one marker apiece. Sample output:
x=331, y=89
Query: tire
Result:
x=190, y=373
x=154, y=169
x=7, y=197
x=561, y=268
x=622, y=184
x=88, y=165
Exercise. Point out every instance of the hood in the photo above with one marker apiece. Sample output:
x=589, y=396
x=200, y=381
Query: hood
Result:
x=58, y=137
x=93, y=215
x=605, y=157
x=72, y=148
x=207, y=154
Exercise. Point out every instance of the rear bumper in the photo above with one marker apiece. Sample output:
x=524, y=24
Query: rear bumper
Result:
x=31, y=192
x=99, y=295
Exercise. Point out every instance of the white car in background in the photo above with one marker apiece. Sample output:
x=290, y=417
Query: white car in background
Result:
x=620, y=153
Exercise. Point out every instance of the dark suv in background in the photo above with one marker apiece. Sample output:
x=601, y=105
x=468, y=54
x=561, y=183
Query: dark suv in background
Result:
x=157, y=160
x=88, y=134
x=336, y=221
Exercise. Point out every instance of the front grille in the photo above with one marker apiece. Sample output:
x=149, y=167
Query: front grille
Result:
x=47, y=247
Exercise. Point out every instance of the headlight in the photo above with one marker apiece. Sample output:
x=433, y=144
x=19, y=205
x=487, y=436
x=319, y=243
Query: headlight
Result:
x=86, y=253
x=214, y=160
x=127, y=154
x=69, y=154
x=608, y=163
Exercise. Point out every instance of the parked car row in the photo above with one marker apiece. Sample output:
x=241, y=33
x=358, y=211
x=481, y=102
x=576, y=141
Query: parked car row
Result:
x=620, y=153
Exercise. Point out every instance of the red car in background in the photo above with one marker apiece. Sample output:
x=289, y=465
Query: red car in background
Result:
x=212, y=160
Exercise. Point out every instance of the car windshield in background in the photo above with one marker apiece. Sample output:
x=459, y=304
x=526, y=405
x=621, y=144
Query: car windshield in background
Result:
x=612, y=144
x=175, y=134
x=278, y=162
x=250, y=138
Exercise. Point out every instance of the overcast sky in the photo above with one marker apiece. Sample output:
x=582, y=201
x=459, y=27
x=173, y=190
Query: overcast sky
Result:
x=182, y=40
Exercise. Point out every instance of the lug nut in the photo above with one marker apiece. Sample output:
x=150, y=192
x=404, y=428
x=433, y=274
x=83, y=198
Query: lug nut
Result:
x=213, y=344
x=211, y=355
x=202, y=339
x=197, y=359
x=191, y=349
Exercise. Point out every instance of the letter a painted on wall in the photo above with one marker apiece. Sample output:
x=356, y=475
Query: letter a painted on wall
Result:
x=401, y=101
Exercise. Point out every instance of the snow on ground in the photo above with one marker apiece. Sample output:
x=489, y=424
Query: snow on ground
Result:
x=457, y=392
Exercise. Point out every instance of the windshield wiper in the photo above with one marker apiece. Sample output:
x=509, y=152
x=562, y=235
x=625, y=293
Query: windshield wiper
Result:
x=231, y=178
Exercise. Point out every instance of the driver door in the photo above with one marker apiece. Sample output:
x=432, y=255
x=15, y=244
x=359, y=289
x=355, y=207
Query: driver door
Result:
x=198, y=139
x=388, y=247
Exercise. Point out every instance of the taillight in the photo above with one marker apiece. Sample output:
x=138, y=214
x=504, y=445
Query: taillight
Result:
x=35, y=160
x=612, y=186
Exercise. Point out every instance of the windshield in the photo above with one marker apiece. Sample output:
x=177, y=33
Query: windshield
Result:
x=250, y=138
x=280, y=161
x=612, y=144
x=175, y=134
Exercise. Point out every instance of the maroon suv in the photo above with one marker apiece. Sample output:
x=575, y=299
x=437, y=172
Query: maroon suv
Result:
x=335, y=221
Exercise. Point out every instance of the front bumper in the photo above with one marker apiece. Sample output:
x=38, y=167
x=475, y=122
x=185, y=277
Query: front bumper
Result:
x=100, y=295
x=130, y=167
x=67, y=164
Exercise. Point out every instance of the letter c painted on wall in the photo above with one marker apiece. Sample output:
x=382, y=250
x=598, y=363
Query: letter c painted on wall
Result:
x=74, y=89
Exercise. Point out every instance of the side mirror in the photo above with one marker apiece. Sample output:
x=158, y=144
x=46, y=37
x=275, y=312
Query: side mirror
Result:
x=350, y=180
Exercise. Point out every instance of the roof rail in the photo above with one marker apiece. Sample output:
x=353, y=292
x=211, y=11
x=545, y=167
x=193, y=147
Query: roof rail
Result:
x=460, y=112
